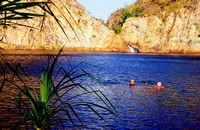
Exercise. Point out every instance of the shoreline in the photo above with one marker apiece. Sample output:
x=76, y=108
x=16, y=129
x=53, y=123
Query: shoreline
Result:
x=49, y=52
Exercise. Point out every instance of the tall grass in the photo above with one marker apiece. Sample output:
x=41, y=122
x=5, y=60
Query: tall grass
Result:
x=45, y=108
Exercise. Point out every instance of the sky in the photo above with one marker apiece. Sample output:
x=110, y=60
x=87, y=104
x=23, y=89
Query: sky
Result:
x=102, y=9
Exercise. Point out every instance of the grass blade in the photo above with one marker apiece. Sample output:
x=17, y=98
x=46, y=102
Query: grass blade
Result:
x=96, y=112
x=75, y=113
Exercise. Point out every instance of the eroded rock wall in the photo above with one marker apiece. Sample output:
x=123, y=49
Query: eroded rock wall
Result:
x=83, y=32
x=179, y=32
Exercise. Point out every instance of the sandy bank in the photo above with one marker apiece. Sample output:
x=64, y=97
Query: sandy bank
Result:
x=46, y=52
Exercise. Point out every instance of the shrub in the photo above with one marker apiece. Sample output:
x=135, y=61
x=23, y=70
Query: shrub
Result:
x=145, y=8
x=126, y=14
x=137, y=11
x=118, y=29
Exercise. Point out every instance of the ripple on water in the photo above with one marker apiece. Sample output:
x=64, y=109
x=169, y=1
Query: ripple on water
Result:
x=140, y=107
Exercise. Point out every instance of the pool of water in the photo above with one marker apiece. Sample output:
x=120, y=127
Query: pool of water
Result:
x=140, y=107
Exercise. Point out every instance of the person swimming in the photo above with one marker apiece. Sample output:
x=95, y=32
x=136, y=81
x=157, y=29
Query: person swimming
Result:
x=159, y=86
x=132, y=82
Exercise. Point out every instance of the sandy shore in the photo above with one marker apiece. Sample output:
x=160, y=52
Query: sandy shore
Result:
x=46, y=52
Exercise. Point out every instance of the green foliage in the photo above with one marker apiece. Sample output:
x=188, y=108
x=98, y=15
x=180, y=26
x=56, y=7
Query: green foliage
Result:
x=175, y=5
x=45, y=87
x=118, y=29
x=46, y=109
x=144, y=8
x=15, y=10
x=137, y=11
x=18, y=10
x=126, y=14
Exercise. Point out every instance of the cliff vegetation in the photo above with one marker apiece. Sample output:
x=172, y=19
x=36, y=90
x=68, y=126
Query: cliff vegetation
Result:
x=144, y=8
x=157, y=26
x=166, y=26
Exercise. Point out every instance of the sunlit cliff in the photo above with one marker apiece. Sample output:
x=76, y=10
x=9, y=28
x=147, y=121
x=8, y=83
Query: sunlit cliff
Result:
x=159, y=26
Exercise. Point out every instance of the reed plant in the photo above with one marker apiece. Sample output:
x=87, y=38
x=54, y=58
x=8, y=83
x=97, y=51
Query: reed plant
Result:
x=49, y=106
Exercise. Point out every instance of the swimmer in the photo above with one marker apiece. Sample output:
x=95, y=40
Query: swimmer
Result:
x=132, y=83
x=159, y=86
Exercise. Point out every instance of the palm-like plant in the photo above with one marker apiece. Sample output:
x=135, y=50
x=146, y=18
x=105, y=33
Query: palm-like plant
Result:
x=11, y=10
x=46, y=109
x=15, y=10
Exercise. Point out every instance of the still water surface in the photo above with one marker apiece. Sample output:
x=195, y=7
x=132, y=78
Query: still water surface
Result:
x=140, y=107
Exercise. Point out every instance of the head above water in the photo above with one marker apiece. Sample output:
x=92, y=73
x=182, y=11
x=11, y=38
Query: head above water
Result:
x=132, y=82
x=159, y=84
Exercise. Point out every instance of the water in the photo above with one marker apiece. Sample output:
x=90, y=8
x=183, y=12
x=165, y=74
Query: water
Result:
x=140, y=107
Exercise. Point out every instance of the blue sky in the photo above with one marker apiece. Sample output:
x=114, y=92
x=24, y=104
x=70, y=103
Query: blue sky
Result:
x=103, y=8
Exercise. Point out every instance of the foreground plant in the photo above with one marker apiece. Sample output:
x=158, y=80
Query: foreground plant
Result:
x=50, y=106
x=12, y=11
x=45, y=108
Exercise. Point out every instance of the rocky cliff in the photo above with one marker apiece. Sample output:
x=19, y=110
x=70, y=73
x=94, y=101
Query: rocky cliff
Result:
x=83, y=32
x=174, y=31
x=177, y=31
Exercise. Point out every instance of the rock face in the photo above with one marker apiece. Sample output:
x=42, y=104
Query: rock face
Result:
x=83, y=33
x=179, y=32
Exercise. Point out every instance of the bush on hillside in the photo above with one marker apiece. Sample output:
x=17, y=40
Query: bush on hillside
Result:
x=143, y=8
